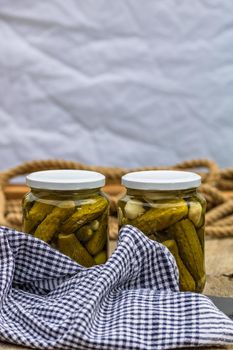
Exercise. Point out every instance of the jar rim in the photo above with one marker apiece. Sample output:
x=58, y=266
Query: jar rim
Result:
x=162, y=180
x=65, y=179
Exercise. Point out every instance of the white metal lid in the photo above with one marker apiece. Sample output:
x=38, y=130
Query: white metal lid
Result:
x=65, y=180
x=161, y=180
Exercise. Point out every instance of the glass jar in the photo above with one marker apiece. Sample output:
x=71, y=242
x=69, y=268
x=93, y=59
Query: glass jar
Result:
x=67, y=209
x=166, y=207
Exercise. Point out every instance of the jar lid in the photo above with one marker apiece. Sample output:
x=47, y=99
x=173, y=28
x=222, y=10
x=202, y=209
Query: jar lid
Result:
x=161, y=180
x=65, y=180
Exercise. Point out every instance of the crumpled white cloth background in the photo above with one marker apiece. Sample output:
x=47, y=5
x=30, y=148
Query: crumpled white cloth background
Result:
x=116, y=82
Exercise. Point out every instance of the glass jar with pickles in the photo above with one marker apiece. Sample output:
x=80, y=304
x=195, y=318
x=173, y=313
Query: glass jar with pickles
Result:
x=166, y=206
x=67, y=209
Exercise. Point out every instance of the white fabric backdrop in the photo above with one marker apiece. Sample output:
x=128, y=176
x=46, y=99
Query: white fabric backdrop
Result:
x=116, y=82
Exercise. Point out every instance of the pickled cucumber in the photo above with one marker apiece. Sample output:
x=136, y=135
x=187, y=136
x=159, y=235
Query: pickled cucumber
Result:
x=195, y=212
x=84, y=233
x=69, y=245
x=48, y=227
x=99, y=239
x=120, y=215
x=163, y=210
x=201, y=236
x=36, y=215
x=189, y=247
x=186, y=280
x=101, y=257
x=152, y=237
x=27, y=205
x=95, y=225
x=84, y=214
x=162, y=216
x=202, y=201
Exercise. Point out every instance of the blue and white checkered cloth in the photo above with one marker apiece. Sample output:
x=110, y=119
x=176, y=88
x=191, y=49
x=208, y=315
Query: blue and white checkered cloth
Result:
x=132, y=302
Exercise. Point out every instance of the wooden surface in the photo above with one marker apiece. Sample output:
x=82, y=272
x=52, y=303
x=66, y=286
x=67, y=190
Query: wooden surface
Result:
x=219, y=258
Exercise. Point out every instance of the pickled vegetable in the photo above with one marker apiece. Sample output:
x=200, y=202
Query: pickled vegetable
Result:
x=84, y=233
x=186, y=280
x=101, y=257
x=36, y=215
x=99, y=239
x=84, y=214
x=69, y=245
x=195, y=212
x=133, y=209
x=152, y=237
x=201, y=236
x=95, y=225
x=52, y=222
x=189, y=247
x=175, y=219
x=27, y=205
x=162, y=216
x=69, y=225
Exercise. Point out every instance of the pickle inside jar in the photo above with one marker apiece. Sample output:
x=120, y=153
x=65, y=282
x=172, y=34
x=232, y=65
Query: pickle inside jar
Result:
x=71, y=222
x=180, y=224
x=155, y=216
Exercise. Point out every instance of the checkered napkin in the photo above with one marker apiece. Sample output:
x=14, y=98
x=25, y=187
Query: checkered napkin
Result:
x=132, y=302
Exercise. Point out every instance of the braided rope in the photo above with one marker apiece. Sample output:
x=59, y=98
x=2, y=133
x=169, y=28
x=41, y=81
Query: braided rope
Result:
x=112, y=174
x=215, y=196
x=225, y=181
x=218, y=218
x=213, y=174
x=228, y=221
x=227, y=173
x=15, y=219
x=219, y=212
x=219, y=231
x=225, y=184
